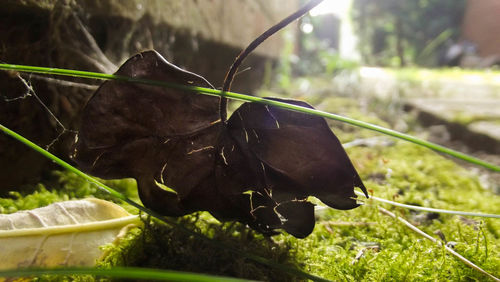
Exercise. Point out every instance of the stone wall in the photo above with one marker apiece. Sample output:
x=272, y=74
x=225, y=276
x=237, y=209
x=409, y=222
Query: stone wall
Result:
x=200, y=36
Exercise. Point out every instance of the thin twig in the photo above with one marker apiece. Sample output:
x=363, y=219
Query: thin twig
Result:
x=32, y=91
x=464, y=213
x=228, y=80
x=381, y=141
x=29, y=90
x=448, y=249
x=362, y=252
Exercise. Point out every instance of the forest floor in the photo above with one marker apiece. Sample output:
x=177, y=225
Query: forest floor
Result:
x=363, y=244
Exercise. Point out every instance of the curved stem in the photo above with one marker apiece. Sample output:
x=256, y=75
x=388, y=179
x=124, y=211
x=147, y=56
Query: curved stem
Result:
x=228, y=80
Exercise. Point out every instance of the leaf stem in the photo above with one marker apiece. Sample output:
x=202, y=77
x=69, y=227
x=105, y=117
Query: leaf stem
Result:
x=412, y=207
x=228, y=80
x=448, y=249
x=248, y=98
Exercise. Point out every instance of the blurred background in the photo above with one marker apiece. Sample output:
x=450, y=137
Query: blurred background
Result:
x=435, y=59
x=422, y=33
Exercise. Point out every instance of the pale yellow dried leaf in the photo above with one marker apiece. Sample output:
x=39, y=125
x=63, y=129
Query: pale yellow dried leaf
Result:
x=62, y=234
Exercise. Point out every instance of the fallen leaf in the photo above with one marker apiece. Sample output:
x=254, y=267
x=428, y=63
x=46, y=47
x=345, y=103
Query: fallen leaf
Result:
x=259, y=167
x=61, y=234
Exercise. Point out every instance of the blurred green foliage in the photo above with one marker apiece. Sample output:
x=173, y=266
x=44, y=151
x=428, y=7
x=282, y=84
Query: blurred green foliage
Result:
x=318, y=54
x=406, y=32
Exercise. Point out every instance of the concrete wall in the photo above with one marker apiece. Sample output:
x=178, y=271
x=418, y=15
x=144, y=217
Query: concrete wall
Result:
x=234, y=23
x=201, y=36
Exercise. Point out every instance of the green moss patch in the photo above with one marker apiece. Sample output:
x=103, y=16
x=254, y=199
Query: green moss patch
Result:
x=356, y=245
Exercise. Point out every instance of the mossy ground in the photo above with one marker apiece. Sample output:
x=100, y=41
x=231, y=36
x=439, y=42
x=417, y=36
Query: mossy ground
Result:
x=360, y=244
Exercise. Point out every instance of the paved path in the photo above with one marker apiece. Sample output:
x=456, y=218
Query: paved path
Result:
x=467, y=103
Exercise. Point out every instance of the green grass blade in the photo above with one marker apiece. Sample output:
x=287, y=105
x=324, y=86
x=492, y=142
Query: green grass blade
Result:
x=68, y=166
x=120, y=272
x=248, y=98
x=438, y=242
x=120, y=196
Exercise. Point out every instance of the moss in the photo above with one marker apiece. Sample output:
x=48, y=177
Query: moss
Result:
x=382, y=249
x=410, y=175
x=63, y=186
x=157, y=245
x=355, y=245
x=41, y=197
x=386, y=249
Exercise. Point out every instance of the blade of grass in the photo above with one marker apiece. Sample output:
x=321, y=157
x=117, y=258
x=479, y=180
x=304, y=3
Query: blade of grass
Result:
x=122, y=197
x=120, y=272
x=464, y=213
x=448, y=249
x=248, y=98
